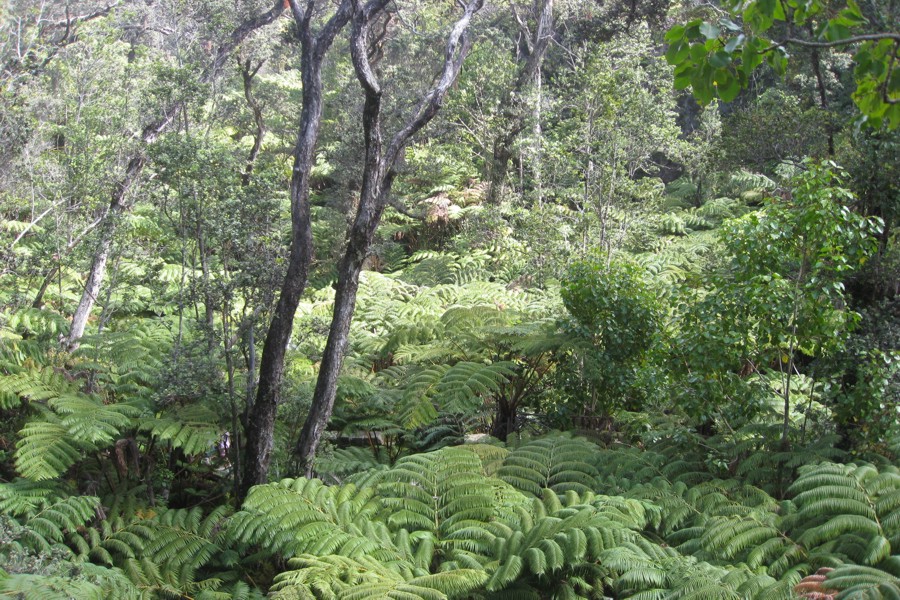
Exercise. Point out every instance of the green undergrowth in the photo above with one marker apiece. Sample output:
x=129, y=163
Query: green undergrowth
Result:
x=554, y=516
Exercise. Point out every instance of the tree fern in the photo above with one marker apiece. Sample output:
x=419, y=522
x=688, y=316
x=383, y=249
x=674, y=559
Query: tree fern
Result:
x=83, y=581
x=35, y=384
x=45, y=513
x=33, y=322
x=442, y=493
x=300, y=516
x=132, y=356
x=460, y=388
x=856, y=582
x=193, y=429
x=848, y=510
x=343, y=462
x=750, y=186
x=557, y=462
x=491, y=455
x=720, y=209
x=46, y=449
x=364, y=578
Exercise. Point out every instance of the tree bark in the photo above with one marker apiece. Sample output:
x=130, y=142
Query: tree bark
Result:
x=823, y=94
x=514, y=118
x=259, y=435
x=101, y=255
x=504, y=419
x=119, y=202
x=378, y=176
x=247, y=74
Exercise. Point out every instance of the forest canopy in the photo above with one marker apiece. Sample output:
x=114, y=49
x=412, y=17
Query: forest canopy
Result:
x=339, y=299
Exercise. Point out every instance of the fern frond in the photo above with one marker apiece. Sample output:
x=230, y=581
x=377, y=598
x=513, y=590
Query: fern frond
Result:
x=194, y=428
x=301, y=516
x=45, y=449
x=557, y=462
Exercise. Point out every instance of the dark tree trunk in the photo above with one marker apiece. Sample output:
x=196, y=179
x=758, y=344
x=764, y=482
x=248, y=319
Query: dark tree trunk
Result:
x=377, y=180
x=504, y=419
x=247, y=75
x=823, y=95
x=261, y=415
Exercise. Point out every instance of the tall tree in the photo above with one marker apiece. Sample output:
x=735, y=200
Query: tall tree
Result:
x=514, y=118
x=261, y=414
x=119, y=201
x=378, y=176
x=377, y=179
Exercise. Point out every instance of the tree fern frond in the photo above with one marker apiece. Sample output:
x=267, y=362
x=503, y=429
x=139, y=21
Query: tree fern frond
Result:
x=297, y=516
x=557, y=462
x=193, y=429
x=858, y=582
x=35, y=322
x=45, y=449
x=442, y=492
x=87, y=419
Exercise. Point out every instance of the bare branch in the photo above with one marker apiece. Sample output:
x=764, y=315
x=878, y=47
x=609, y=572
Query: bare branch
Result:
x=866, y=37
x=239, y=35
x=69, y=21
x=542, y=37
x=400, y=208
x=34, y=222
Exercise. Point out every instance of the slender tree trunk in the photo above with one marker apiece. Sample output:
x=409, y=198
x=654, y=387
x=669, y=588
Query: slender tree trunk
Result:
x=101, y=255
x=119, y=203
x=247, y=74
x=259, y=435
x=823, y=94
x=251, y=372
x=208, y=300
x=336, y=346
x=816, y=63
x=378, y=178
x=538, y=134
x=514, y=118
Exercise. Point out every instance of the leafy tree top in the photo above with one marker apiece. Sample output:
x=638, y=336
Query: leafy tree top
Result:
x=716, y=58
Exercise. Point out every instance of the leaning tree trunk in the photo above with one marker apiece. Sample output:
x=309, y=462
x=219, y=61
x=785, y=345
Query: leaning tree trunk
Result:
x=119, y=203
x=378, y=178
x=260, y=420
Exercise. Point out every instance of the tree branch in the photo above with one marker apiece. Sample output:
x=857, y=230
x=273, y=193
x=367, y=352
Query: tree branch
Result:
x=458, y=45
x=866, y=37
x=69, y=21
x=239, y=35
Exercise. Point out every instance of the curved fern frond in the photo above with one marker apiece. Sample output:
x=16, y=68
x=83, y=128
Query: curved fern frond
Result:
x=45, y=449
x=192, y=429
x=854, y=582
x=303, y=516
x=849, y=510
x=558, y=462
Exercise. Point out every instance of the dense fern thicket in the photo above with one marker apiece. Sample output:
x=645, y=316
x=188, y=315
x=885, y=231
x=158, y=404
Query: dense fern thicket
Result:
x=554, y=515
x=607, y=343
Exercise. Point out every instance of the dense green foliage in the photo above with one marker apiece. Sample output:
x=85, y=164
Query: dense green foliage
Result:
x=608, y=343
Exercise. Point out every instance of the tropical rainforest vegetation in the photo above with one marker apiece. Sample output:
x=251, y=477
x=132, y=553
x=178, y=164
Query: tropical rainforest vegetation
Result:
x=484, y=299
